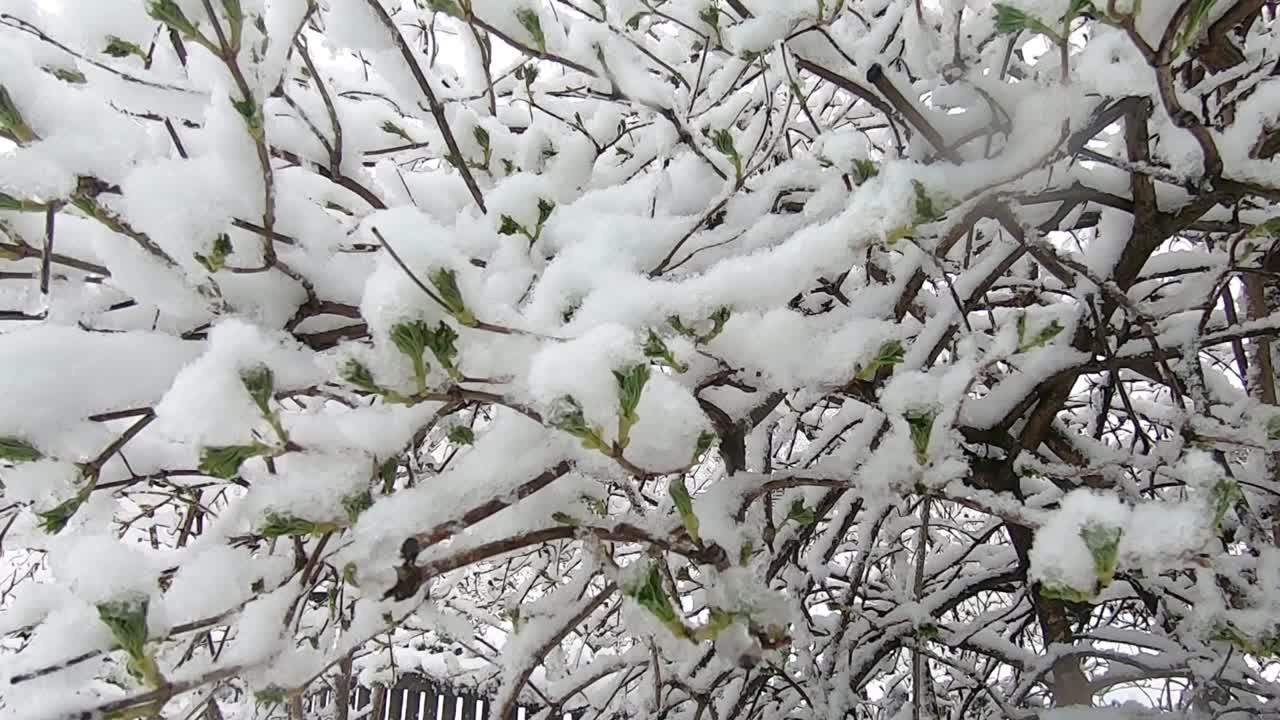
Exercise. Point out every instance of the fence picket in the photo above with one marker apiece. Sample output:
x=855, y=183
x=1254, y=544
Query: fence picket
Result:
x=416, y=697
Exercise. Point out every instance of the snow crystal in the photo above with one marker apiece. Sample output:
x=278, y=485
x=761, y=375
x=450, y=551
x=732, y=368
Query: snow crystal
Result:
x=56, y=377
x=210, y=580
x=91, y=566
x=208, y=403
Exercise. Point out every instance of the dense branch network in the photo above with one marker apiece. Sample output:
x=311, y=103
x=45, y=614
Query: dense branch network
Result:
x=650, y=358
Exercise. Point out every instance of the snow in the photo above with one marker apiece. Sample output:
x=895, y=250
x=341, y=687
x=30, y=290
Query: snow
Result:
x=47, y=482
x=356, y=27
x=643, y=242
x=583, y=368
x=90, y=566
x=210, y=581
x=59, y=376
x=1153, y=535
x=669, y=417
x=227, y=414
x=840, y=345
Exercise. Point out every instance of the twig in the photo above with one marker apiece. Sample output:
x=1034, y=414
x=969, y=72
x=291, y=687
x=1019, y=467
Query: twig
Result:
x=46, y=257
x=335, y=159
x=437, y=110
x=396, y=256
x=877, y=77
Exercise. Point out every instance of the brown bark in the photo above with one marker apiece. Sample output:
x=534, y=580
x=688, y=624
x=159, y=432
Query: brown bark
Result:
x=342, y=689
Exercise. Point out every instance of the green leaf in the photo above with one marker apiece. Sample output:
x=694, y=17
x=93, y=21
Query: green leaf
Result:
x=723, y=142
x=705, y=439
x=168, y=12
x=678, y=325
x=1273, y=428
x=1103, y=543
x=234, y=13
x=18, y=451
x=218, y=254
x=598, y=506
x=633, y=22
x=926, y=211
x=801, y=515
x=545, y=208
x=54, y=520
x=565, y=519
x=649, y=595
x=411, y=339
x=1269, y=228
x=567, y=416
x=260, y=382
x=119, y=47
x=270, y=695
x=387, y=473
x=9, y=202
x=278, y=525
x=631, y=382
x=248, y=110
x=448, y=7
x=1075, y=8
x=898, y=233
x=1199, y=11
x=357, y=503
x=462, y=435
x=921, y=427
x=509, y=226
x=710, y=15
x=529, y=21
x=1222, y=497
x=1010, y=19
x=127, y=621
x=889, y=354
x=718, y=320
x=1040, y=339
x=355, y=372
x=446, y=283
x=718, y=621
x=69, y=75
x=224, y=462
x=684, y=504
x=864, y=170
x=481, y=135
x=527, y=73
x=1054, y=591
x=11, y=118
x=656, y=349
x=1265, y=646
x=442, y=344
x=393, y=129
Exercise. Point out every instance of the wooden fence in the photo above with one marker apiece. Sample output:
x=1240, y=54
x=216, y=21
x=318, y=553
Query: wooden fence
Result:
x=414, y=697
